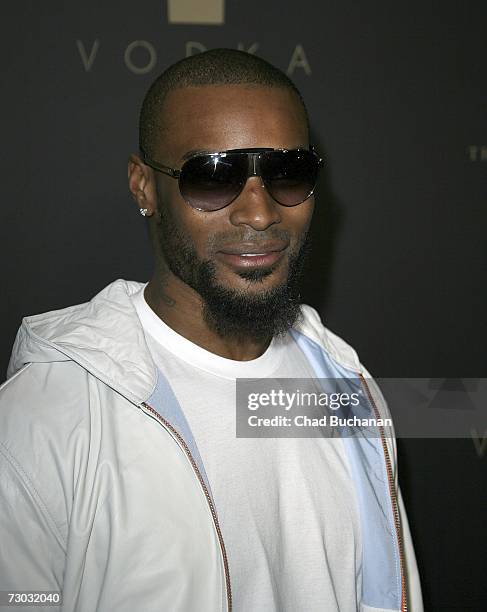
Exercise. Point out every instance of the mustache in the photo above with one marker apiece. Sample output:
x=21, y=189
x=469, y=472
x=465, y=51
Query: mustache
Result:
x=247, y=235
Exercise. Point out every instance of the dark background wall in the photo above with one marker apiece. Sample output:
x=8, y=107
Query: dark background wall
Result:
x=397, y=93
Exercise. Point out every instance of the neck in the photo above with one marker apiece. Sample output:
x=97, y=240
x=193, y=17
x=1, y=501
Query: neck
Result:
x=181, y=308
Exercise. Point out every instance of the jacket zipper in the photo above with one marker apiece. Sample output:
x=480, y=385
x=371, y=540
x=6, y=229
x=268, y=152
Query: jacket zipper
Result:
x=392, y=491
x=394, y=503
x=181, y=441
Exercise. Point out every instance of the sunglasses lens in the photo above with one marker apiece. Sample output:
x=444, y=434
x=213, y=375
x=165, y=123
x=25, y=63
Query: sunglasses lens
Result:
x=210, y=182
x=289, y=176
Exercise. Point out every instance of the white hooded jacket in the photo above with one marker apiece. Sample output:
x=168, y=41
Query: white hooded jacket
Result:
x=101, y=495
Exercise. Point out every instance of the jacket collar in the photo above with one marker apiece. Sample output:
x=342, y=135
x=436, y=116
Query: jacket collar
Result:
x=103, y=335
x=106, y=338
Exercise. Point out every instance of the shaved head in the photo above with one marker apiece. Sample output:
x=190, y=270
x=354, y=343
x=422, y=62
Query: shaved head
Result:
x=213, y=67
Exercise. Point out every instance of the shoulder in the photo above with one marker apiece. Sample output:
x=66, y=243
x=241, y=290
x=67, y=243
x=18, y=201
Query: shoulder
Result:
x=44, y=409
x=42, y=393
x=43, y=415
x=51, y=411
x=311, y=326
x=341, y=352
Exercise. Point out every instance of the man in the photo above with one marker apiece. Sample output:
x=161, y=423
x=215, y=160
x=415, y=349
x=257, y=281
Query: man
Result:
x=124, y=485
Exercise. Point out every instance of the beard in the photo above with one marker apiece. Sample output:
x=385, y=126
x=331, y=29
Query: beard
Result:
x=237, y=312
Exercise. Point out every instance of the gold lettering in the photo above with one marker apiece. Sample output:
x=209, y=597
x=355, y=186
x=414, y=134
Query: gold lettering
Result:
x=128, y=57
x=85, y=58
x=298, y=60
x=480, y=443
x=193, y=46
x=252, y=49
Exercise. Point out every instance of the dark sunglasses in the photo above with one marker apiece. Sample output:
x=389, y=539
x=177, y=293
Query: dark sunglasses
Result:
x=211, y=181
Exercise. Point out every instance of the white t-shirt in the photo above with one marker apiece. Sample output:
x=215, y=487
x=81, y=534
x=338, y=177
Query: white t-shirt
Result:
x=286, y=506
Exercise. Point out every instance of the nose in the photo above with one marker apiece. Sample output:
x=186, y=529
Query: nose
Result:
x=254, y=206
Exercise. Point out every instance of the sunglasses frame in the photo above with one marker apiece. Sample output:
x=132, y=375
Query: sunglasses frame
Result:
x=250, y=152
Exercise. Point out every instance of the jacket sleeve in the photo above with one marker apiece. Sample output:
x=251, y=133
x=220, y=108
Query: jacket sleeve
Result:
x=32, y=544
x=31, y=549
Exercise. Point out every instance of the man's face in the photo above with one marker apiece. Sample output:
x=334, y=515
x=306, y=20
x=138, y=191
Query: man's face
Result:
x=251, y=247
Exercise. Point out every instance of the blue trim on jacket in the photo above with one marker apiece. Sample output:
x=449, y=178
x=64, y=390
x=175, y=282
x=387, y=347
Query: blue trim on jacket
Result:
x=381, y=571
x=165, y=402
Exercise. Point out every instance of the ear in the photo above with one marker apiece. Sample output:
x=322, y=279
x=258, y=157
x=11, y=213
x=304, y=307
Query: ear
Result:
x=142, y=185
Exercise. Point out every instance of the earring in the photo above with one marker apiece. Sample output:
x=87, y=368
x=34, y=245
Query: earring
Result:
x=145, y=212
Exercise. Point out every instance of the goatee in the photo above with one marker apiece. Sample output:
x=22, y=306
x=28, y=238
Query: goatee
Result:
x=238, y=313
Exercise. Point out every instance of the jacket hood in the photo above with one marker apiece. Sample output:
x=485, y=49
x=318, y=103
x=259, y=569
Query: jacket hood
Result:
x=103, y=335
x=106, y=338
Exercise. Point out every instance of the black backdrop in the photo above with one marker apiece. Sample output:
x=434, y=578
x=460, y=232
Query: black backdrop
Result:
x=397, y=96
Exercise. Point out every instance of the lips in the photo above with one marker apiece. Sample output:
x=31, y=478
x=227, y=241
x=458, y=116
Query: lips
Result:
x=254, y=248
x=251, y=254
